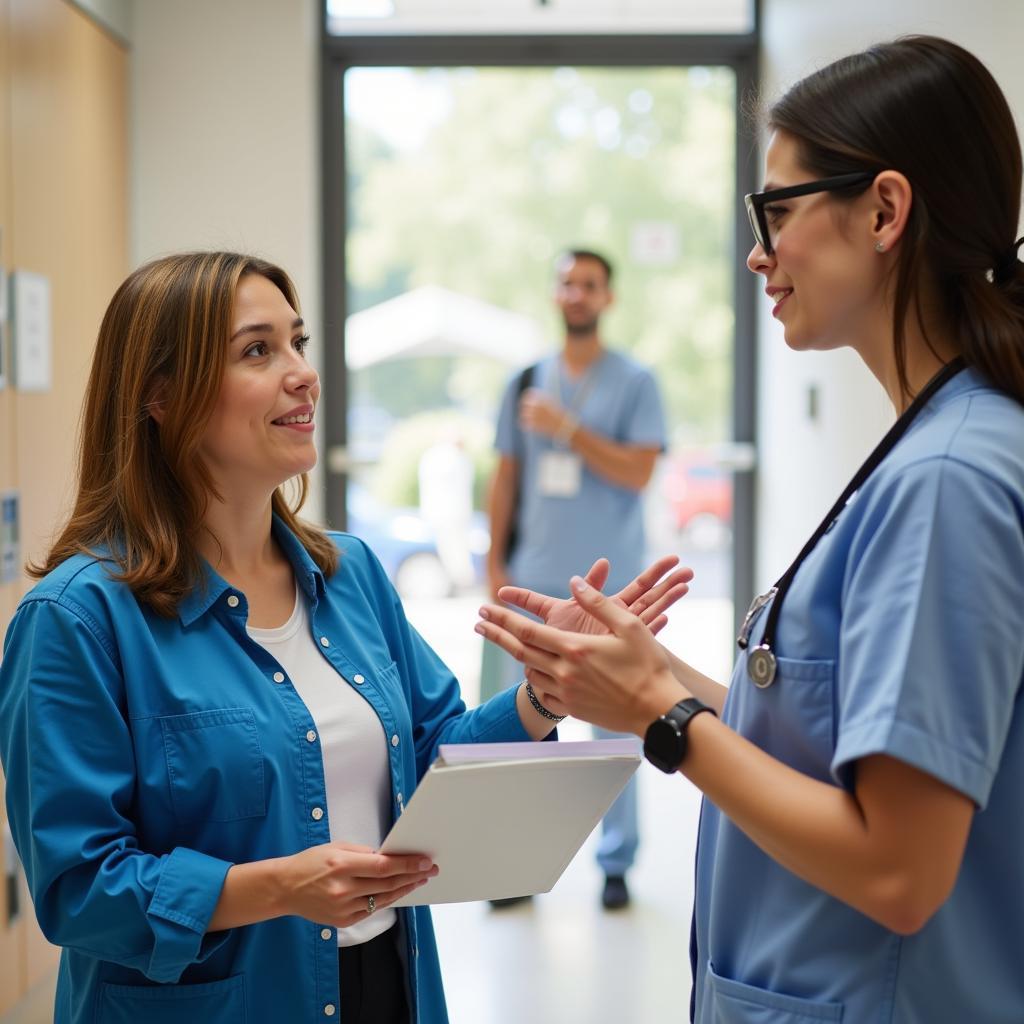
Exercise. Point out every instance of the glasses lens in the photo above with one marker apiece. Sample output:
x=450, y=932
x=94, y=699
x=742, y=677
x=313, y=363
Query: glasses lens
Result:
x=755, y=226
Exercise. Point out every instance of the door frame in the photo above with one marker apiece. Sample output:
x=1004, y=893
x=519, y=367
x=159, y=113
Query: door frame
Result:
x=739, y=52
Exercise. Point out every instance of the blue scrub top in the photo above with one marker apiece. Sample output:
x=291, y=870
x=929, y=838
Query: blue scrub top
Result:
x=559, y=537
x=146, y=755
x=902, y=634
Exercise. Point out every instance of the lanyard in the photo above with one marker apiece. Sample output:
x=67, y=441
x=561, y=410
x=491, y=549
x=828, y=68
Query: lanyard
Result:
x=761, y=663
x=579, y=395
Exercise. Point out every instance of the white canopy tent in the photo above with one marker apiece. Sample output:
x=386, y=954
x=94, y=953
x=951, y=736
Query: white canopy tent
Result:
x=433, y=321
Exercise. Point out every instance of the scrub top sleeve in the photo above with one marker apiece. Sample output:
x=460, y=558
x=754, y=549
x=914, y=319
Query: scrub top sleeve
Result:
x=70, y=766
x=931, y=649
x=507, y=435
x=645, y=419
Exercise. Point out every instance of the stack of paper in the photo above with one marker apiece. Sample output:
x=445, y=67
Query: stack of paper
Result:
x=505, y=819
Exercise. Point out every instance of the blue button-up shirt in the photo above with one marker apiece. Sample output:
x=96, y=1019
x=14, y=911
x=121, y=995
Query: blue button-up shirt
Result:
x=146, y=755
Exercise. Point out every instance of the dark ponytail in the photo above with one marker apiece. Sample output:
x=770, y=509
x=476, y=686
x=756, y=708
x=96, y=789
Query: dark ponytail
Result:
x=931, y=110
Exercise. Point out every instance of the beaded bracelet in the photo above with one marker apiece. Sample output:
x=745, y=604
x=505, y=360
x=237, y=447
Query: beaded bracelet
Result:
x=539, y=708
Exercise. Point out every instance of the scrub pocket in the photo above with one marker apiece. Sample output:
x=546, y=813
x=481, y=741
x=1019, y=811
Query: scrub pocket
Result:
x=215, y=765
x=796, y=716
x=217, y=1002
x=732, y=1002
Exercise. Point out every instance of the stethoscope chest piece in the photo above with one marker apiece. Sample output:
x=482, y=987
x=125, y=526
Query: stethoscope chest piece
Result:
x=761, y=666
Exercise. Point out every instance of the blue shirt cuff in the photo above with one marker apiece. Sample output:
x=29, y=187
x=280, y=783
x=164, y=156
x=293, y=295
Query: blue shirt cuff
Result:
x=498, y=720
x=183, y=903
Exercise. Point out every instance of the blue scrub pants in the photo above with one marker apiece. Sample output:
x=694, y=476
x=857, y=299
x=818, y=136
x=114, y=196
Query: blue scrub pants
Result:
x=620, y=832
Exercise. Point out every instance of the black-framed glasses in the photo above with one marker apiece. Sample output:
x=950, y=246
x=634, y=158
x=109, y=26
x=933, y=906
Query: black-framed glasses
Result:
x=757, y=201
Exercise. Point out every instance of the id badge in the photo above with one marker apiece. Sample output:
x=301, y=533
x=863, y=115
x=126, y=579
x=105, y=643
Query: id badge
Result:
x=559, y=474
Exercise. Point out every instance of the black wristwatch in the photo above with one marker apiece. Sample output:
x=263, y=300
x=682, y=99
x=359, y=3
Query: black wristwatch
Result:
x=665, y=739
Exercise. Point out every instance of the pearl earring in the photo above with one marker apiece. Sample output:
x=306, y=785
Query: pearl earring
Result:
x=879, y=247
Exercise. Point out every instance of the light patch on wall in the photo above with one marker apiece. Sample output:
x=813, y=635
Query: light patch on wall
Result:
x=31, y=318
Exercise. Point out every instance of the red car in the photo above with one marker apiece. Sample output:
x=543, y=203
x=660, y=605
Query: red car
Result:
x=699, y=495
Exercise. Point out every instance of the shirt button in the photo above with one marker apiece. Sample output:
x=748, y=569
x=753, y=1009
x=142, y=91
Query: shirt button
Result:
x=317, y=813
x=326, y=933
x=329, y=1010
x=278, y=677
x=311, y=736
x=394, y=741
x=232, y=601
x=358, y=680
x=324, y=642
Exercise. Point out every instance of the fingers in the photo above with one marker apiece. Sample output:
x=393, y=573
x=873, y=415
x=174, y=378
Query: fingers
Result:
x=655, y=593
x=647, y=579
x=658, y=624
x=363, y=862
x=529, y=600
x=356, y=906
x=598, y=575
x=533, y=643
x=391, y=883
x=609, y=613
x=393, y=897
x=661, y=604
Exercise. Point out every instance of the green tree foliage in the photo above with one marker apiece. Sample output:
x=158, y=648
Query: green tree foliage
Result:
x=520, y=163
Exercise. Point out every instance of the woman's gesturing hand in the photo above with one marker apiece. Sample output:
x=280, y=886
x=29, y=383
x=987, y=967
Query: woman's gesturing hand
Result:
x=648, y=597
x=621, y=680
x=332, y=883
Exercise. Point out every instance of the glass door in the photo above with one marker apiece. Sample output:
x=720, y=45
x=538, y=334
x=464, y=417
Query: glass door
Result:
x=463, y=184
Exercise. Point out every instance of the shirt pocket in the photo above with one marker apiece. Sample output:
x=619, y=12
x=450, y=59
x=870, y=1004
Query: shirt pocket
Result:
x=216, y=1002
x=215, y=765
x=733, y=1002
x=793, y=719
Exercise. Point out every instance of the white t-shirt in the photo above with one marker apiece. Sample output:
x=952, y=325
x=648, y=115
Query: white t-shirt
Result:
x=352, y=744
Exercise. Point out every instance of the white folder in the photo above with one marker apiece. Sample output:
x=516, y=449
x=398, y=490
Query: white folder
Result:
x=505, y=819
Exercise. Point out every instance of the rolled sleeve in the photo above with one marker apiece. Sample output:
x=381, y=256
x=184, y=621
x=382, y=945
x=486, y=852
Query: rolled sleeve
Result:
x=931, y=649
x=179, y=913
x=70, y=770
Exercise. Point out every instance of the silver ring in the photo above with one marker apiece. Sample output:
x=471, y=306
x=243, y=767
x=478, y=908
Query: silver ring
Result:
x=371, y=904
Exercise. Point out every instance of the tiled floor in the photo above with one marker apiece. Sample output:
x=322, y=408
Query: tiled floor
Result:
x=561, y=959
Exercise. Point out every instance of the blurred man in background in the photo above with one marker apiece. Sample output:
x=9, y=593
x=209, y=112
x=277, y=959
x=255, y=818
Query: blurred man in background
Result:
x=578, y=435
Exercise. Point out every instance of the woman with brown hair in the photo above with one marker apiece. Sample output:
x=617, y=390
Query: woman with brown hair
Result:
x=859, y=850
x=211, y=711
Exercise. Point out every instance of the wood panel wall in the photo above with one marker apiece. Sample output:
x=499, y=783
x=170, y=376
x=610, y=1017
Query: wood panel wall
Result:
x=63, y=213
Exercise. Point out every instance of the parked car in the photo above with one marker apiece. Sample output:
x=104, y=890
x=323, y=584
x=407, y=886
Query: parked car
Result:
x=699, y=495
x=405, y=544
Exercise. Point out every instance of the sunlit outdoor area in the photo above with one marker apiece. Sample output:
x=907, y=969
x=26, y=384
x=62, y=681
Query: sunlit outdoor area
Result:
x=464, y=184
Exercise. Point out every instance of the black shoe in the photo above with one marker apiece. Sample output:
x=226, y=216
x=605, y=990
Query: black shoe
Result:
x=509, y=901
x=615, y=895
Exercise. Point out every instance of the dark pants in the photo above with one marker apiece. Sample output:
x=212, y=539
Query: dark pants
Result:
x=373, y=981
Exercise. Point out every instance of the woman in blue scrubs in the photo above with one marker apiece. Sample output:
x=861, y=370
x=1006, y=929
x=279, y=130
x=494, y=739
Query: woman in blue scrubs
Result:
x=211, y=711
x=860, y=849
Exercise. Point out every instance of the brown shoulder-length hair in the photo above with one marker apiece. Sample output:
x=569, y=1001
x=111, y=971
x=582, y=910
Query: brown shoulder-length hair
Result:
x=143, y=488
x=931, y=110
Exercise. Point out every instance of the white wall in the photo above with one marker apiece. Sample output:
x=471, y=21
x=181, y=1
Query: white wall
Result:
x=224, y=125
x=803, y=464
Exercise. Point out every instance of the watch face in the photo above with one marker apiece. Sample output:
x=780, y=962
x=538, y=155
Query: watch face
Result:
x=664, y=745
